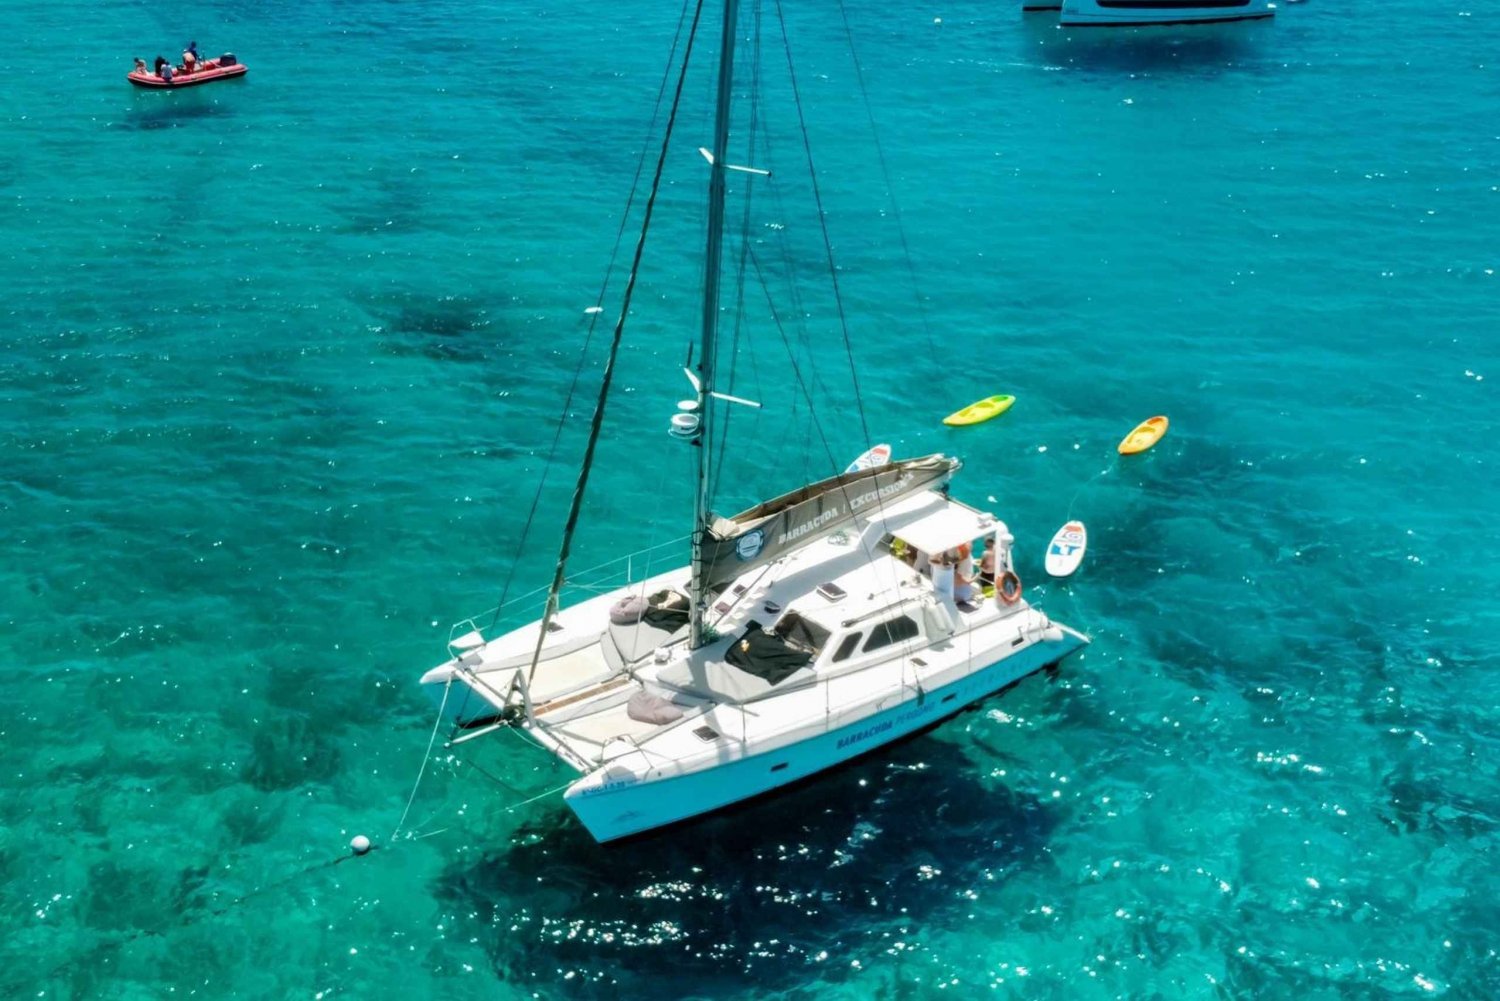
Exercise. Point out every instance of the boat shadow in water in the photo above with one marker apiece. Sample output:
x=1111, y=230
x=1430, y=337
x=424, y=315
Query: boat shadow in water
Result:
x=178, y=111
x=1200, y=49
x=773, y=892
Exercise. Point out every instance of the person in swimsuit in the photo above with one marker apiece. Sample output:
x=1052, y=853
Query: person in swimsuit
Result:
x=988, y=563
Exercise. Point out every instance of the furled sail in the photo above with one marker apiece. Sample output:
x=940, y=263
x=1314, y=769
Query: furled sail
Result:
x=768, y=531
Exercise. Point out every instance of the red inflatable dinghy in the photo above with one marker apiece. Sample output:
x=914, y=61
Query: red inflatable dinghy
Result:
x=208, y=71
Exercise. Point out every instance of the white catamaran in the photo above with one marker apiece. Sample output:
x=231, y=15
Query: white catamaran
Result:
x=805, y=631
x=1125, y=13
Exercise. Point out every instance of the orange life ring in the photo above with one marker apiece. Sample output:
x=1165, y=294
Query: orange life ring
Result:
x=1010, y=587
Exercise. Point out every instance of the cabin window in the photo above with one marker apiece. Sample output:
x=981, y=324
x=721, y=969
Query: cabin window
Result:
x=847, y=647
x=903, y=627
x=801, y=634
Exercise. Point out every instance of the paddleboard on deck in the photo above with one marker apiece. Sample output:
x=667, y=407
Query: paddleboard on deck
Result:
x=977, y=413
x=1146, y=434
x=877, y=456
x=1066, y=549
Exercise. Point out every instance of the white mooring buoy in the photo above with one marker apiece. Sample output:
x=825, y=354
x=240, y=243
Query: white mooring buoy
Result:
x=360, y=844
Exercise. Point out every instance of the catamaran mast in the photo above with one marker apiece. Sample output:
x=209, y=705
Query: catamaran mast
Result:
x=706, y=357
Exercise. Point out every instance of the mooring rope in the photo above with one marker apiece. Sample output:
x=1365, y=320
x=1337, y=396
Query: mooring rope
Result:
x=1081, y=488
x=425, y=758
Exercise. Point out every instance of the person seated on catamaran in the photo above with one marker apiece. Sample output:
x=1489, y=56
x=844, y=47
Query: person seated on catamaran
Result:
x=988, y=563
x=963, y=573
x=943, y=577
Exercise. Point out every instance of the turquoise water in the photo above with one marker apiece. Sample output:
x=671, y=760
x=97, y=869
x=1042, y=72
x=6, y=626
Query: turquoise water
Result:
x=280, y=366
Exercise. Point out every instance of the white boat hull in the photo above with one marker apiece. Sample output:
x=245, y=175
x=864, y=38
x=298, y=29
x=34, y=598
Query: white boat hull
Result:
x=613, y=808
x=1106, y=13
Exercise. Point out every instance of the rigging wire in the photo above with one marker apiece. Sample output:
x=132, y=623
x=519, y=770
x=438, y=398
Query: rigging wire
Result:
x=794, y=292
x=890, y=190
x=833, y=280
x=823, y=224
x=739, y=305
x=832, y=267
x=796, y=306
x=792, y=357
x=596, y=424
x=614, y=254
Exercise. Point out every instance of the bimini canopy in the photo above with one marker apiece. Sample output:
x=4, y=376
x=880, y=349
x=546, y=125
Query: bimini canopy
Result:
x=766, y=532
x=945, y=527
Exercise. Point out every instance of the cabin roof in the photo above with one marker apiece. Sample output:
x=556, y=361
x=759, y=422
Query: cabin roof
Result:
x=928, y=521
x=867, y=588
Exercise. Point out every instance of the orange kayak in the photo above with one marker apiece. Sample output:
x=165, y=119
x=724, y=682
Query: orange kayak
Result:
x=1146, y=434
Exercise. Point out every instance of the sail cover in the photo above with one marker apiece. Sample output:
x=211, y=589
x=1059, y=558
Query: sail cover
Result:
x=768, y=531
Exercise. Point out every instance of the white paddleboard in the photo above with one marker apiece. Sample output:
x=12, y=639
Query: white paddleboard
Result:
x=877, y=456
x=1065, y=551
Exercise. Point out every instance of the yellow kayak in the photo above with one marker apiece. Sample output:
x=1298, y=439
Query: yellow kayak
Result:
x=978, y=413
x=1146, y=434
